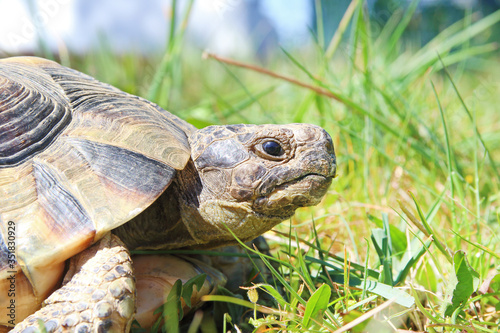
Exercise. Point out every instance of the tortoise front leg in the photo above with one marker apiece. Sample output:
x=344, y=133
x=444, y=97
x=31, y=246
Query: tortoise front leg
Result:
x=98, y=294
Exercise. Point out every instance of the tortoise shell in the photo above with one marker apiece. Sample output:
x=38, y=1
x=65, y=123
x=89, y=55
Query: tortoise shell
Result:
x=72, y=146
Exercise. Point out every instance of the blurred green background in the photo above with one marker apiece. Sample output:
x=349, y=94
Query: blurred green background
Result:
x=409, y=91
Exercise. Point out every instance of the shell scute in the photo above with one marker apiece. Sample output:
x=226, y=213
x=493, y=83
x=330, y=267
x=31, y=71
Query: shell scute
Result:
x=77, y=158
x=30, y=119
x=112, y=164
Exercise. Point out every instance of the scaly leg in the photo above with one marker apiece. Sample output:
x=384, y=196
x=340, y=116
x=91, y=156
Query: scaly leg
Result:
x=98, y=293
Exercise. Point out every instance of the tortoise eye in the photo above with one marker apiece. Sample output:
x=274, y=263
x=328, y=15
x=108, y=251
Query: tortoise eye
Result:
x=272, y=148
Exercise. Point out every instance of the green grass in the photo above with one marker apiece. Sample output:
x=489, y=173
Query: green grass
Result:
x=409, y=233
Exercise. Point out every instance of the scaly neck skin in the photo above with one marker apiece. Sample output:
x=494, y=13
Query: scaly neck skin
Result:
x=173, y=220
x=207, y=215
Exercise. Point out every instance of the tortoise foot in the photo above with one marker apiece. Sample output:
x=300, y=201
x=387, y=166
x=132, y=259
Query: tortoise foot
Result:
x=98, y=296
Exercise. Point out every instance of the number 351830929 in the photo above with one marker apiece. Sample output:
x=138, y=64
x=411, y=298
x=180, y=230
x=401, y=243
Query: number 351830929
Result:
x=11, y=244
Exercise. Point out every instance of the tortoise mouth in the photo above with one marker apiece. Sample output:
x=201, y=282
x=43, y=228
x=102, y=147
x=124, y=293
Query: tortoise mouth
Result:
x=283, y=199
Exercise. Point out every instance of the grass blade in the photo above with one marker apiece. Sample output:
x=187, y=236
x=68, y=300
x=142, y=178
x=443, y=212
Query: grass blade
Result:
x=316, y=305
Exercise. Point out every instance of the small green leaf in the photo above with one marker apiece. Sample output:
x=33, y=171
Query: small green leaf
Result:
x=317, y=305
x=187, y=288
x=172, y=311
x=379, y=238
x=379, y=288
x=274, y=293
x=136, y=327
x=389, y=292
x=381, y=241
x=398, y=238
x=464, y=282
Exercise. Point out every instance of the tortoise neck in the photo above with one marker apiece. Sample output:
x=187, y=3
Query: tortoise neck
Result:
x=189, y=215
x=160, y=226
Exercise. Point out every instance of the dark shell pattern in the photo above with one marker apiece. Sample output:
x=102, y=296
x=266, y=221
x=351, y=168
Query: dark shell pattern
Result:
x=72, y=146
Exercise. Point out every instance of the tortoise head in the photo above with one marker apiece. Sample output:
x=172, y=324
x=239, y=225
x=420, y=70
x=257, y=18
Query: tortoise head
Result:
x=255, y=176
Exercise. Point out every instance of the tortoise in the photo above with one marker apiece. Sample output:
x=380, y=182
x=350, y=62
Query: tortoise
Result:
x=89, y=172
